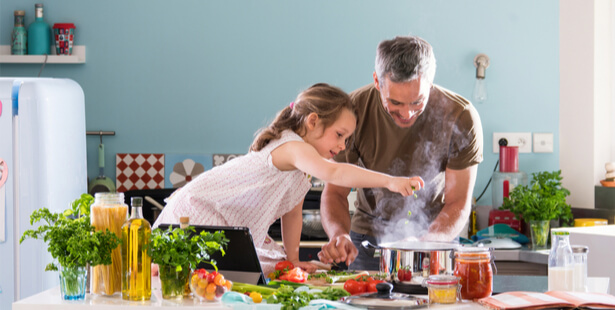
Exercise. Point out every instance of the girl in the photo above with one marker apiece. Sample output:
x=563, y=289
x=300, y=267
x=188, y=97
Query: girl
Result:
x=271, y=181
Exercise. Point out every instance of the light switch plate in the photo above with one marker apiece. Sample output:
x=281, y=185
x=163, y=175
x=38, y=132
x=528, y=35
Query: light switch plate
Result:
x=543, y=142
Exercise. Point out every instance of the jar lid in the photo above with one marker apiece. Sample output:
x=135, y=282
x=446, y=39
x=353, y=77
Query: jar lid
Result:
x=64, y=26
x=20, y=13
x=561, y=233
x=442, y=280
x=473, y=249
x=579, y=249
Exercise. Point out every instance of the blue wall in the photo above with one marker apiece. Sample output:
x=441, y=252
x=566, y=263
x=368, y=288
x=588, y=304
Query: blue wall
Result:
x=196, y=76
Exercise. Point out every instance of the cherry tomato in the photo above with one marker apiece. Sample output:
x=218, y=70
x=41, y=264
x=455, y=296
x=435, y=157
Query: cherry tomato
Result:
x=210, y=277
x=354, y=287
x=256, y=297
x=219, y=280
x=284, y=266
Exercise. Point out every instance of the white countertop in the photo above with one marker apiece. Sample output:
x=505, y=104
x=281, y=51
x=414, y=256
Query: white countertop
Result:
x=51, y=300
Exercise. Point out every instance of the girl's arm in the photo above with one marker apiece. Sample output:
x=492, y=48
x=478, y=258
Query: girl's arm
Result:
x=291, y=236
x=303, y=156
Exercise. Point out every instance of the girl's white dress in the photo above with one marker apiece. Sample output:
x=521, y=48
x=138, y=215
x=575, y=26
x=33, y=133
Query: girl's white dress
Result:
x=246, y=191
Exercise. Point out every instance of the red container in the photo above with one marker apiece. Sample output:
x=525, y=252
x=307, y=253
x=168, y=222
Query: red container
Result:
x=64, y=34
x=509, y=159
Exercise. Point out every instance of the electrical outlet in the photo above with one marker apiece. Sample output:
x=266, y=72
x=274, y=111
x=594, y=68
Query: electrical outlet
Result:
x=521, y=139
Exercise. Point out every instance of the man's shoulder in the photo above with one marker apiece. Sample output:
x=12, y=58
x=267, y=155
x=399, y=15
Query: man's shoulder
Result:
x=447, y=96
x=364, y=92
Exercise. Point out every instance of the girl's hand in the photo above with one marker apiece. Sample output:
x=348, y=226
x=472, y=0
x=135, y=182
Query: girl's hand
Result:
x=307, y=266
x=406, y=186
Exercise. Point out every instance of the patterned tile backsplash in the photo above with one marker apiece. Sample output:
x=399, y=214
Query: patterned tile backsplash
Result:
x=147, y=171
x=139, y=171
x=219, y=159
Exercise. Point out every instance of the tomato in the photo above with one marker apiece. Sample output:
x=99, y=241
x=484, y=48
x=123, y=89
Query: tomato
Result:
x=256, y=297
x=371, y=285
x=404, y=274
x=283, y=277
x=297, y=275
x=219, y=280
x=284, y=266
x=210, y=277
x=202, y=273
x=354, y=287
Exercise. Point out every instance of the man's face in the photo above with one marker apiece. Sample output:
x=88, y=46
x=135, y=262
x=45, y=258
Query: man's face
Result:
x=405, y=101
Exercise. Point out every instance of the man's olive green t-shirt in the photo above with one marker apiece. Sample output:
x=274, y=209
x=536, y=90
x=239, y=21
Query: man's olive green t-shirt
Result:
x=447, y=135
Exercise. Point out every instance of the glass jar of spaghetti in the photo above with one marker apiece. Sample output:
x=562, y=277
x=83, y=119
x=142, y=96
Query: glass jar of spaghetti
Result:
x=108, y=212
x=473, y=267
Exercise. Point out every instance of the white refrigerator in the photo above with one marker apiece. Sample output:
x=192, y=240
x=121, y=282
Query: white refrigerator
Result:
x=42, y=164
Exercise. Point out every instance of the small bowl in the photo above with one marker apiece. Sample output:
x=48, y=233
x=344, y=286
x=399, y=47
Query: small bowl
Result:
x=606, y=183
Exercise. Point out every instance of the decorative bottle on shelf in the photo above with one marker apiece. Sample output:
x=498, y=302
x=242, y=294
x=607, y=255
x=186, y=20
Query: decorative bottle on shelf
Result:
x=19, y=36
x=39, y=34
x=136, y=274
x=561, y=263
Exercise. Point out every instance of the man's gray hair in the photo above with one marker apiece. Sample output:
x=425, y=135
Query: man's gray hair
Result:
x=405, y=59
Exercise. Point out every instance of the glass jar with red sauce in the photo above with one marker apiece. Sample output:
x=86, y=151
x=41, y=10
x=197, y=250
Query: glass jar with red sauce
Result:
x=473, y=267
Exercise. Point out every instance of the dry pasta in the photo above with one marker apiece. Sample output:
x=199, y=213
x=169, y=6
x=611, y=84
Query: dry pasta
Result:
x=106, y=279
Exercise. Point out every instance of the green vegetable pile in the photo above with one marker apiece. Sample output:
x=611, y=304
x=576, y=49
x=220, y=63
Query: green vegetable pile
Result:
x=183, y=247
x=71, y=239
x=543, y=200
x=290, y=297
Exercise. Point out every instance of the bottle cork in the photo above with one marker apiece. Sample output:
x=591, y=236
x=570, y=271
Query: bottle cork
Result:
x=184, y=221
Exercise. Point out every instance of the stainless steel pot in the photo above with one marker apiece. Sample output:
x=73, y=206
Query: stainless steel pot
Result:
x=312, y=226
x=420, y=258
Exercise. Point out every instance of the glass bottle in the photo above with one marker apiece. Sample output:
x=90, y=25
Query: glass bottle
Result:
x=108, y=212
x=39, y=34
x=136, y=263
x=579, y=252
x=184, y=222
x=19, y=36
x=560, y=272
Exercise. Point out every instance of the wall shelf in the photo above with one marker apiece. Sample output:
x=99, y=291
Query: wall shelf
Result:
x=78, y=56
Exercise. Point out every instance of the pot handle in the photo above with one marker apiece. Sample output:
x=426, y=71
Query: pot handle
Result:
x=368, y=245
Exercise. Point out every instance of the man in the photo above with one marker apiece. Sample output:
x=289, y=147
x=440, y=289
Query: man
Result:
x=406, y=126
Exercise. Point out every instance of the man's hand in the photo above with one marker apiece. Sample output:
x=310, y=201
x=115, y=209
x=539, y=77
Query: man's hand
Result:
x=337, y=250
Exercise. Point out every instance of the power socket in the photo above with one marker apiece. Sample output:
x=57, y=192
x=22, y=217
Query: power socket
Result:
x=521, y=139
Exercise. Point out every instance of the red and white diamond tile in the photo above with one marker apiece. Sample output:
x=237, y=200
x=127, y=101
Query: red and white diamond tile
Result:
x=139, y=171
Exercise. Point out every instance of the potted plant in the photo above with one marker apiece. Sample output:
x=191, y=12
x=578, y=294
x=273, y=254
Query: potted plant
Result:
x=179, y=250
x=73, y=242
x=543, y=200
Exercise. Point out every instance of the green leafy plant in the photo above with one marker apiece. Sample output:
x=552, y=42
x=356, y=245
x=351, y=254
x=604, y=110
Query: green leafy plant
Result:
x=70, y=237
x=543, y=200
x=183, y=247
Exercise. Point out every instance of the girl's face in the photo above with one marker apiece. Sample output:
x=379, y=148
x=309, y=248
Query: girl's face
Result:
x=332, y=140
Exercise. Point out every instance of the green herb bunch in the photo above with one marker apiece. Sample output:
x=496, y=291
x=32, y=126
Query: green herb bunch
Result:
x=543, y=200
x=70, y=237
x=183, y=247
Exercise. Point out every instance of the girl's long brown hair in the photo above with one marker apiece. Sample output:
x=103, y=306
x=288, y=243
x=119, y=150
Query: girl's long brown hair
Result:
x=323, y=99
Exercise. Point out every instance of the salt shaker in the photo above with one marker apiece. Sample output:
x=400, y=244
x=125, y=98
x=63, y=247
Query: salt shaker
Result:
x=579, y=252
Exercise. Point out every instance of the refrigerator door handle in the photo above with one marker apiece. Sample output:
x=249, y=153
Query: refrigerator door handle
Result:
x=4, y=172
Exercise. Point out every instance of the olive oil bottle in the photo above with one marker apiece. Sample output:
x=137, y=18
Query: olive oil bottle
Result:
x=136, y=274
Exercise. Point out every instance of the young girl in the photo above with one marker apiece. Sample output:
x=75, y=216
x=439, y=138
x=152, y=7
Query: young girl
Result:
x=271, y=181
